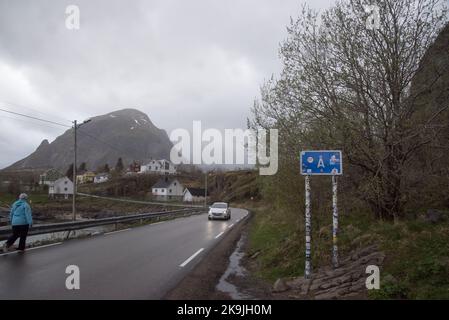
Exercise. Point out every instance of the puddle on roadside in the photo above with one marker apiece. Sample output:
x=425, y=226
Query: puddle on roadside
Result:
x=235, y=269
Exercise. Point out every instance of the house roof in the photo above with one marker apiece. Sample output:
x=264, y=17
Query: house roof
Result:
x=62, y=179
x=197, y=192
x=159, y=161
x=164, y=182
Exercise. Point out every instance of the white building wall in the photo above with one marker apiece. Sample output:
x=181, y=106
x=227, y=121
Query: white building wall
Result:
x=177, y=189
x=159, y=191
x=187, y=196
x=100, y=179
x=158, y=167
x=61, y=186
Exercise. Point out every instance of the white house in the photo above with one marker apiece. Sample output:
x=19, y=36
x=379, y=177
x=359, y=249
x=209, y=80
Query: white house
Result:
x=162, y=166
x=101, y=177
x=61, y=187
x=167, y=188
x=193, y=194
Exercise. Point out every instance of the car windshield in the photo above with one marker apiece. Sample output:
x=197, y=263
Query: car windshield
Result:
x=220, y=205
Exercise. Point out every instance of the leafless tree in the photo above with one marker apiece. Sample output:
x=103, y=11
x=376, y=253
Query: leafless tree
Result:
x=346, y=83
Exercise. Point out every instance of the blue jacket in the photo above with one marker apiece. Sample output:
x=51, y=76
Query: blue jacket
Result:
x=20, y=213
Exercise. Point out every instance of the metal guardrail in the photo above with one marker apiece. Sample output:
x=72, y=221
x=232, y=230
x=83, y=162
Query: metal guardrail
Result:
x=167, y=204
x=5, y=232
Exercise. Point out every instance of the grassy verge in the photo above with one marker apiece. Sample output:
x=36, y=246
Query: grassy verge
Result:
x=417, y=252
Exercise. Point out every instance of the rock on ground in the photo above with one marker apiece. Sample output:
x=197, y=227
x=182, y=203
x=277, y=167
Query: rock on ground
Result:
x=345, y=282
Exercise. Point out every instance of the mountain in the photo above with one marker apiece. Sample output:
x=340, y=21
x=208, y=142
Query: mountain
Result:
x=126, y=133
x=430, y=84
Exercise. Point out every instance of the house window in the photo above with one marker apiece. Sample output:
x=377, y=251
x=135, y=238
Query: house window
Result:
x=65, y=182
x=155, y=190
x=163, y=190
x=169, y=190
x=175, y=183
x=65, y=189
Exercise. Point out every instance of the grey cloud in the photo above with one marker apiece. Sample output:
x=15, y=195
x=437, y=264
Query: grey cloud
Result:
x=178, y=61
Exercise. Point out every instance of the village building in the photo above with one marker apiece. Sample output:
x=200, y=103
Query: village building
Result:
x=134, y=167
x=162, y=167
x=86, y=177
x=63, y=187
x=101, y=177
x=194, y=194
x=168, y=189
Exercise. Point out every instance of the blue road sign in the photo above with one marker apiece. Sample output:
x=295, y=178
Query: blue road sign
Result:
x=321, y=162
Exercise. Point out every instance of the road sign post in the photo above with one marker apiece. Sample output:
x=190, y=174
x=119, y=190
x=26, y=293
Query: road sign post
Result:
x=334, y=222
x=308, y=266
x=325, y=163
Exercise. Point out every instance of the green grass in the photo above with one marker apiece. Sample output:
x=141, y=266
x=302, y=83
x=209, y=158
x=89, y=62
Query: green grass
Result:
x=418, y=259
x=276, y=239
x=417, y=252
x=6, y=199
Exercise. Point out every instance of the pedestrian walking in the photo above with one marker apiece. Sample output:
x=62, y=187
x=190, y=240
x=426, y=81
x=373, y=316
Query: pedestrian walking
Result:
x=21, y=220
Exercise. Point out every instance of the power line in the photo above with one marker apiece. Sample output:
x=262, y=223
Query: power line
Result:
x=26, y=121
x=63, y=125
x=34, y=110
x=35, y=118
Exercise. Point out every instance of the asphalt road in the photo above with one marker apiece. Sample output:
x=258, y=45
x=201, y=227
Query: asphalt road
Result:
x=140, y=263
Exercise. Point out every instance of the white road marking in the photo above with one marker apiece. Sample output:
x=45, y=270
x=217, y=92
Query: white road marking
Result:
x=7, y=253
x=112, y=232
x=152, y=224
x=33, y=248
x=191, y=258
x=230, y=226
x=219, y=235
x=47, y=245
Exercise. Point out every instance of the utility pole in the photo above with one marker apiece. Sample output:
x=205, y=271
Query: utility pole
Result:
x=205, y=192
x=75, y=126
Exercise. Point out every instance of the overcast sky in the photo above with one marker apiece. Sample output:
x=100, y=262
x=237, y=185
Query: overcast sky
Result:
x=177, y=61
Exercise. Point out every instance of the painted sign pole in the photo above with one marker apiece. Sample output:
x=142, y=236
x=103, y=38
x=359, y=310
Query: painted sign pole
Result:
x=324, y=163
x=308, y=263
x=334, y=222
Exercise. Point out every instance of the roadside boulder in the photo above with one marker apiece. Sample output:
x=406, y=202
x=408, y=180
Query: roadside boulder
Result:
x=280, y=286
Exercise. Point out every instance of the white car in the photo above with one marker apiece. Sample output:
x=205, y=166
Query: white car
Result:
x=219, y=210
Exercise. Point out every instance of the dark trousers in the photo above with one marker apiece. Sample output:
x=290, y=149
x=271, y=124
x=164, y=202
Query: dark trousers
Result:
x=18, y=232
